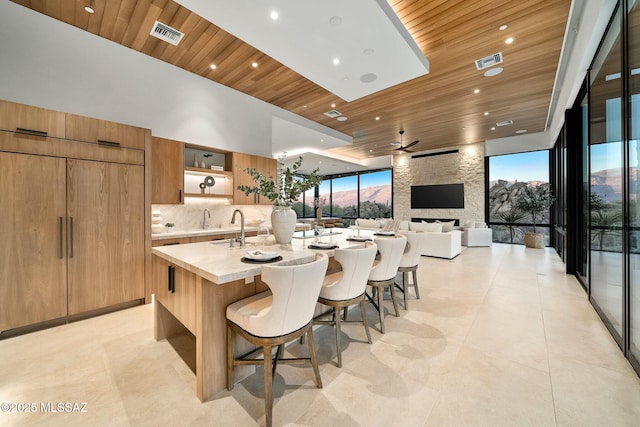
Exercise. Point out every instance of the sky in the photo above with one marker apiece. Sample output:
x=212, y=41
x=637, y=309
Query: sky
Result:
x=532, y=166
x=366, y=180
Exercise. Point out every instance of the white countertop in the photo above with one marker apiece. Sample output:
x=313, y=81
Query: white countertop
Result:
x=221, y=264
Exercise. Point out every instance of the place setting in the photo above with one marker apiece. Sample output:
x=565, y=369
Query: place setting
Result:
x=323, y=245
x=258, y=256
x=359, y=239
x=385, y=233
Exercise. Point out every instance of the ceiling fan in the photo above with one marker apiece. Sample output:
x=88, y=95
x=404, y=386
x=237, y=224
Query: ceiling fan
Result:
x=405, y=148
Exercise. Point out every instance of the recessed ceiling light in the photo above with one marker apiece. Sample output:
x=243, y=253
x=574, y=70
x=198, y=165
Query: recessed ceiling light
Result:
x=486, y=113
x=274, y=15
x=521, y=131
x=493, y=71
x=377, y=118
x=321, y=140
x=254, y=65
x=342, y=119
x=89, y=9
x=509, y=40
x=336, y=61
x=493, y=128
x=476, y=91
x=335, y=21
x=213, y=66
x=345, y=78
x=304, y=106
x=371, y=151
x=503, y=27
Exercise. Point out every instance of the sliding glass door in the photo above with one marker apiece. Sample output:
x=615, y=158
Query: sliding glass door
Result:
x=633, y=75
x=607, y=181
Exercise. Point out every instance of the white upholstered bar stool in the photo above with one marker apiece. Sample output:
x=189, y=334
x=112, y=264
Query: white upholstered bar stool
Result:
x=409, y=263
x=272, y=318
x=346, y=288
x=384, y=274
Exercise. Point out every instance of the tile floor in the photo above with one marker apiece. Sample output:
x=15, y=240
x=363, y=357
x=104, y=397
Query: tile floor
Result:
x=500, y=337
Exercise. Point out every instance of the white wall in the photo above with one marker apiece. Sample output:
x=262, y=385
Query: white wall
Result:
x=50, y=64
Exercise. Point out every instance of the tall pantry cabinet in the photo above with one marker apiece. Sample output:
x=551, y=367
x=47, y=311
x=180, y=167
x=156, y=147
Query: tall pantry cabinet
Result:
x=72, y=217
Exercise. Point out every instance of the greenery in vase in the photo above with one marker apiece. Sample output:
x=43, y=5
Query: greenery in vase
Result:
x=285, y=191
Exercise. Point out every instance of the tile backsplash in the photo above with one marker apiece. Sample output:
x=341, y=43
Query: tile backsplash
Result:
x=190, y=216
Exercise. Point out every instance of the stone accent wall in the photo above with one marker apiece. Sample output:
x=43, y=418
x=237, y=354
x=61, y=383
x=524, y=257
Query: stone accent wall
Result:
x=466, y=166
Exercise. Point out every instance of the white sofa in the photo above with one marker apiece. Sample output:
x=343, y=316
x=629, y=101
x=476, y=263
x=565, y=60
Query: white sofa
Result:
x=477, y=237
x=447, y=244
x=442, y=245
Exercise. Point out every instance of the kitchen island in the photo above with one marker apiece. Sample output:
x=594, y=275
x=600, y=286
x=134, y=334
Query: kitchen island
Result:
x=194, y=283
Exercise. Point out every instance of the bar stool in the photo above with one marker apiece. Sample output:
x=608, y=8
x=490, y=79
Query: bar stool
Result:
x=384, y=274
x=345, y=288
x=273, y=318
x=409, y=263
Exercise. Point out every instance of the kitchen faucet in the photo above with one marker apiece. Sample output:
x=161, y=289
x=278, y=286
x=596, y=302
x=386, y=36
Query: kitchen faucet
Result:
x=207, y=215
x=233, y=221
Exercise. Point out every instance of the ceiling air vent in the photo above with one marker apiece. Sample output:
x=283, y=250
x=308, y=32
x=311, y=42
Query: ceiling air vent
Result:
x=489, y=61
x=333, y=114
x=505, y=123
x=166, y=33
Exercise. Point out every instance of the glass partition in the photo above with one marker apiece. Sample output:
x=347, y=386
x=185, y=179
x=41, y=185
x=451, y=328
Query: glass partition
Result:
x=606, y=178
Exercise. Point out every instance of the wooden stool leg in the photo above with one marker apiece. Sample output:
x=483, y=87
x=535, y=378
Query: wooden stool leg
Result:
x=405, y=283
x=229, y=358
x=312, y=356
x=392, y=289
x=364, y=319
x=268, y=383
x=338, y=338
x=415, y=283
x=380, y=309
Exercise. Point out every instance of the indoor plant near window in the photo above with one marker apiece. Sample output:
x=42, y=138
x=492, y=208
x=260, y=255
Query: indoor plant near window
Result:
x=535, y=201
x=282, y=192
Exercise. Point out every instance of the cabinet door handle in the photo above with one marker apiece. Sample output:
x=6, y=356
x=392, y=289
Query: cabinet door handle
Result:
x=110, y=144
x=31, y=132
x=70, y=237
x=172, y=279
x=180, y=195
x=61, y=237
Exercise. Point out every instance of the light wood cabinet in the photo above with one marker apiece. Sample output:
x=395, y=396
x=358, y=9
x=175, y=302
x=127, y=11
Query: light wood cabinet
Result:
x=242, y=161
x=30, y=120
x=106, y=236
x=175, y=288
x=72, y=217
x=167, y=163
x=103, y=132
x=33, y=250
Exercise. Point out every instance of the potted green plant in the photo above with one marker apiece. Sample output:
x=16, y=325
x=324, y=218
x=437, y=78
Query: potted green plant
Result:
x=282, y=192
x=535, y=201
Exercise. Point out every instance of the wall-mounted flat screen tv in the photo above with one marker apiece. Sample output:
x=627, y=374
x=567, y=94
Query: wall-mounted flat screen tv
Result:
x=445, y=196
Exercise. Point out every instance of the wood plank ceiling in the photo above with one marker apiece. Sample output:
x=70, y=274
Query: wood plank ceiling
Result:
x=440, y=109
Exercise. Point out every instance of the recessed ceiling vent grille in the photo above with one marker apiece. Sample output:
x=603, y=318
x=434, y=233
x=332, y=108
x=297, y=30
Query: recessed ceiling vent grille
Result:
x=333, y=114
x=505, y=123
x=489, y=61
x=166, y=33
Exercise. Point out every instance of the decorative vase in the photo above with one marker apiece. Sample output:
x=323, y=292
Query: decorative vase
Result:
x=283, y=224
x=534, y=240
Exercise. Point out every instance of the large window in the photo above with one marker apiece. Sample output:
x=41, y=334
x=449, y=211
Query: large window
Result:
x=361, y=194
x=344, y=196
x=509, y=174
x=376, y=195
